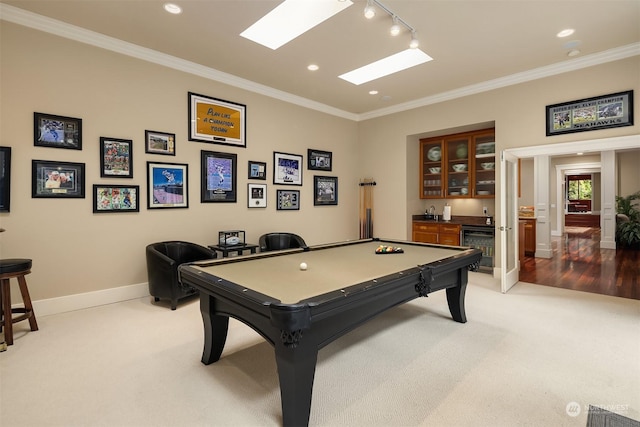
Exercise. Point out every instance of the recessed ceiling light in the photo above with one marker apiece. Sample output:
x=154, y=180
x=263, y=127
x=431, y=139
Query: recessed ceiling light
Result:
x=373, y=92
x=290, y=19
x=312, y=67
x=172, y=8
x=573, y=52
x=389, y=65
x=565, y=33
x=579, y=154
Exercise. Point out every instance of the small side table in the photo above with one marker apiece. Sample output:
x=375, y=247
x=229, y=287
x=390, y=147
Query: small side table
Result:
x=239, y=249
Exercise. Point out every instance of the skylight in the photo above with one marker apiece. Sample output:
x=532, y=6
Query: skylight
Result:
x=290, y=19
x=389, y=65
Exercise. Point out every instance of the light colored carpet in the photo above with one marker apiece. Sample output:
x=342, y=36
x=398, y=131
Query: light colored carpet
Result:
x=521, y=360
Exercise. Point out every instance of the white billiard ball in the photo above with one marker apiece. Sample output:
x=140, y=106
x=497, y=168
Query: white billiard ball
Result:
x=303, y=266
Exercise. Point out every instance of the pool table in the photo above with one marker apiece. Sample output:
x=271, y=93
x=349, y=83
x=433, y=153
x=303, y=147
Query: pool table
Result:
x=300, y=311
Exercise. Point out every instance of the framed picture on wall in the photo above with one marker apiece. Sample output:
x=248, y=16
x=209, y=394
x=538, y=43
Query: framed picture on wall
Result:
x=57, y=131
x=287, y=168
x=219, y=177
x=167, y=185
x=319, y=160
x=288, y=200
x=57, y=179
x=5, y=179
x=257, y=195
x=159, y=143
x=217, y=121
x=115, y=198
x=326, y=190
x=257, y=170
x=116, y=158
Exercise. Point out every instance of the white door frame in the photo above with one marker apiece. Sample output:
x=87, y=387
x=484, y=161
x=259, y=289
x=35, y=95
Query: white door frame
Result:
x=508, y=229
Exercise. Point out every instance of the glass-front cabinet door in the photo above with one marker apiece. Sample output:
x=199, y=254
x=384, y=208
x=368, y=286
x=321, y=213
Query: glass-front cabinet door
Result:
x=457, y=151
x=485, y=165
x=431, y=170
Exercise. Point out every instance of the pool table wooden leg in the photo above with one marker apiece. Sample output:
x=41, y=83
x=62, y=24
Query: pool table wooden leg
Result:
x=455, y=299
x=215, y=330
x=296, y=369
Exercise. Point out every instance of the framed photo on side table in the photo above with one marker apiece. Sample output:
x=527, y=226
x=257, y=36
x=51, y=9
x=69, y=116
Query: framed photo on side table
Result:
x=57, y=179
x=57, y=131
x=319, y=160
x=326, y=190
x=257, y=195
x=287, y=168
x=5, y=179
x=288, y=200
x=116, y=158
x=159, y=143
x=167, y=185
x=115, y=198
x=219, y=177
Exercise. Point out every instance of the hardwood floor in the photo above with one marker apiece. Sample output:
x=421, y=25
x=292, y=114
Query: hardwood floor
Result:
x=579, y=263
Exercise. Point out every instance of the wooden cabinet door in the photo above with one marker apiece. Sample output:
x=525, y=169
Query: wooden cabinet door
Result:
x=425, y=237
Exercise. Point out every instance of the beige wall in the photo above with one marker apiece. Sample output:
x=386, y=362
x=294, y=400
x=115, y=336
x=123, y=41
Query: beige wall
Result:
x=76, y=251
x=628, y=168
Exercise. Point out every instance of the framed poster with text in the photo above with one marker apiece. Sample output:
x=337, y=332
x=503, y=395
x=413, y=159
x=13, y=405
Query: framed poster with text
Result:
x=216, y=121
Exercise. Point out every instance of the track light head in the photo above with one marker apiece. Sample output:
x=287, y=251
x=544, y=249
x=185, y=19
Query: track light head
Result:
x=369, y=10
x=414, y=43
x=395, y=28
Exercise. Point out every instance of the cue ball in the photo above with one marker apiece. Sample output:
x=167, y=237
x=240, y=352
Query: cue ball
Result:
x=303, y=266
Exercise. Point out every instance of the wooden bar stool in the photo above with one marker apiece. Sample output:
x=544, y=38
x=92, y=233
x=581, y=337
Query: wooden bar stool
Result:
x=18, y=268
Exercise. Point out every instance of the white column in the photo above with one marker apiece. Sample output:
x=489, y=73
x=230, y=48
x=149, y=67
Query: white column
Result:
x=541, y=200
x=608, y=200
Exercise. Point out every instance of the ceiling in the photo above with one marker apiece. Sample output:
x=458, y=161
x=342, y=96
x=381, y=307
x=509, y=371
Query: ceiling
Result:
x=473, y=43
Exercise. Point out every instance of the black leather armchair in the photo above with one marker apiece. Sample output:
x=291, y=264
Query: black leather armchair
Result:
x=278, y=241
x=163, y=259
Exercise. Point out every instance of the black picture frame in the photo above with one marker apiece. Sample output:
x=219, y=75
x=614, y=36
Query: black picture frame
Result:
x=599, y=112
x=167, y=185
x=54, y=179
x=256, y=195
x=116, y=158
x=217, y=121
x=287, y=168
x=288, y=200
x=319, y=160
x=109, y=198
x=159, y=143
x=5, y=179
x=54, y=131
x=218, y=177
x=325, y=190
x=257, y=170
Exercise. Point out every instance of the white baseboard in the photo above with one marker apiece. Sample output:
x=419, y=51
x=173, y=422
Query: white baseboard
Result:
x=57, y=305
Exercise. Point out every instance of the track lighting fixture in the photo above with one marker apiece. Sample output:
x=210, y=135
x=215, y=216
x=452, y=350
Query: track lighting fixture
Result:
x=396, y=28
x=414, y=43
x=369, y=10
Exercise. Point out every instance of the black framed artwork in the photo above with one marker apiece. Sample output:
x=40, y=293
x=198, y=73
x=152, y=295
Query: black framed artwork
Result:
x=218, y=177
x=116, y=158
x=5, y=179
x=116, y=198
x=287, y=168
x=54, y=131
x=325, y=190
x=55, y=179
x=319, y=160
x=288, y=200
x=598, y=112
x=159, y=143
x=257, y=170
x=167, y=185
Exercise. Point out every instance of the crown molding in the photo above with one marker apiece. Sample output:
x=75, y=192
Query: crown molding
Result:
x=514, y=79
x=42, y=23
